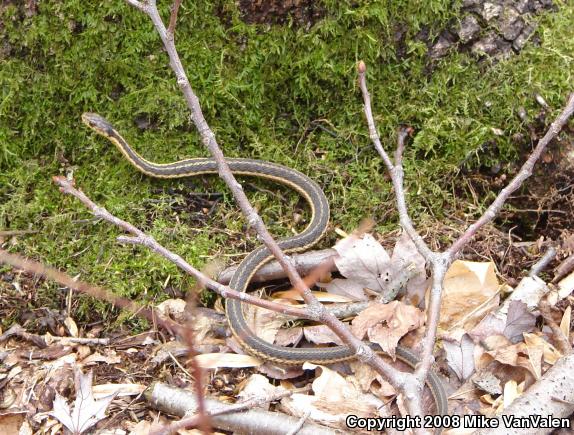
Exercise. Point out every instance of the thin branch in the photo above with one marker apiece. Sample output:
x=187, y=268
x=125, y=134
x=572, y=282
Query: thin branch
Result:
x=192, y=421
x=395, y=171
x=39, y=269
x=523, y=174
x=203, y=418
x=401, y=137
x=440, y=262
x=541, y=264
x=137, y=4
x=173, y=19
x=140, y=238
x=439, y=267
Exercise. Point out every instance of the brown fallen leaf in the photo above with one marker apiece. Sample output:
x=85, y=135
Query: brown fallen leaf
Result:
x=264, y=323
x=321, y=334
x=289, y=336
x=385, y=324
x=334, y=398
x=551, y=354
x=470, y=291
x=371, y=381
x=218, y=360
x=11, y=422
x=535, y=355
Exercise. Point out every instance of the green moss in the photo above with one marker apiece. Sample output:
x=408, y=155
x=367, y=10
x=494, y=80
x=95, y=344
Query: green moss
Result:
x=275, y=93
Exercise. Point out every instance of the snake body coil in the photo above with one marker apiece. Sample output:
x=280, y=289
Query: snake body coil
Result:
x=252, y=262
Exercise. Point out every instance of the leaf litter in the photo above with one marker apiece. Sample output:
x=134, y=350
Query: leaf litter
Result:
x=489, y=352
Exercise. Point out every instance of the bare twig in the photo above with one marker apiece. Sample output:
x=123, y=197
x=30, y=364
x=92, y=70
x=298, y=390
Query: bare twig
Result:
x=173, y=19
x=140, y=238
x=516, y=182
x=203, y=418
x=304, y=263
x=439, y=262
x=541, y=264
x=191, y=421
x=44, y=340
x=300, y=424
x=395, y=170
x=97, y=292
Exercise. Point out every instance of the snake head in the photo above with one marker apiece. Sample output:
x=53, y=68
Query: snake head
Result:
x=98, y=123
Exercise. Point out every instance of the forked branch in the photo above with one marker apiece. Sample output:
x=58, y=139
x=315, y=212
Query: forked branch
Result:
x=397, y=378
x=440, y=261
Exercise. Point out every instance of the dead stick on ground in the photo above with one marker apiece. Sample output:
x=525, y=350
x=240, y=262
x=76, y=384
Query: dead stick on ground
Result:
x=228, y=409
x=176, y=401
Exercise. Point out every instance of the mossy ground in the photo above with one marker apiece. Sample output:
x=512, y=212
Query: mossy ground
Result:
x=277, y=93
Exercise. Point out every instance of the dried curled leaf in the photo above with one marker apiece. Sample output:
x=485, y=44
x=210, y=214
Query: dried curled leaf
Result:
x=386, y=324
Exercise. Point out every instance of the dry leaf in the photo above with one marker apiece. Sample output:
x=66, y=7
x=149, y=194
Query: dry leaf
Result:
x=518, y=320
x=470, y=289
x=366, y=375
x=346, y=288
x=321, y=334
x=218, y=360
x=289, y=336
x=257, y=386
x=566, y=286
x=280, y=372
x=551, y=354
x=264, y=323
x=460, y=356
x=488, y=382
x=87, y=411
x=335, y=398
x=365, y=262
x=405, y=253
x=95, y=358
x=565, y=322
x=490, y=325
x=11, y=422
x=172, y=309
x=535, y=354
x=386, y=324
x=141, y=428
x=71, y=326
x=511, y=391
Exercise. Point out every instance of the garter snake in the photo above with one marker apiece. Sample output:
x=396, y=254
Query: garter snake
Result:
x=316, y=199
